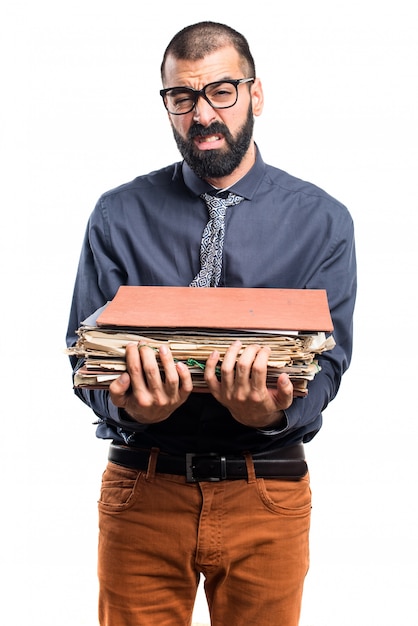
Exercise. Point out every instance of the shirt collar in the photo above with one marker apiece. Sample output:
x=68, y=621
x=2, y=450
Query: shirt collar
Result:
x=246, y=186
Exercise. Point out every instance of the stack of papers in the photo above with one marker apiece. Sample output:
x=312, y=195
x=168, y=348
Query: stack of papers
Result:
x=126, y=319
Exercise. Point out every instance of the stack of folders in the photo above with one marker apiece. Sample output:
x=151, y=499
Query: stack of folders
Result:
x=193, y=322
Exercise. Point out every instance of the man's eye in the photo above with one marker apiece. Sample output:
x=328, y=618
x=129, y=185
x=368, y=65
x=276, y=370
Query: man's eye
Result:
x=221, y=91
x=182, y=99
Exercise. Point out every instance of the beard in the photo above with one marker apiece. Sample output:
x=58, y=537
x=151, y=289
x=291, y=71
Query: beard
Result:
x=215, y=163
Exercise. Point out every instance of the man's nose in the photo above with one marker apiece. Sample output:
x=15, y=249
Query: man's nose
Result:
x=203, y=112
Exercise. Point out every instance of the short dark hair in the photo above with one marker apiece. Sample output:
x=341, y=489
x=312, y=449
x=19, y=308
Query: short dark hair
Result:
x=194, y=42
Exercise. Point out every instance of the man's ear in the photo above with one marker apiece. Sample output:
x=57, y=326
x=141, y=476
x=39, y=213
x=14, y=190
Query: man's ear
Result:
x=257, y=97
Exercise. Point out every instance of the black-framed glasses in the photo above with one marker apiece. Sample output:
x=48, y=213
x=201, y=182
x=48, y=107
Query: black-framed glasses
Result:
x=221, y=94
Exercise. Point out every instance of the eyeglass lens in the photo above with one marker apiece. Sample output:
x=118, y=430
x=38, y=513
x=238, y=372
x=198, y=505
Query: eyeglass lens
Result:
x=220, y=95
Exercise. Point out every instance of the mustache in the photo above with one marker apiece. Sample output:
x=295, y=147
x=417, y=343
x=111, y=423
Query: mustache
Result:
x=197, y=130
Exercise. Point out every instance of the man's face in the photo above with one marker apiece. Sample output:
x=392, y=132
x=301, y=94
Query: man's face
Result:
x=220, y=162
x=216, y=143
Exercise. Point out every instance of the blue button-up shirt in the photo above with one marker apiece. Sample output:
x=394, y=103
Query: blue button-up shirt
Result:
x=286, y=233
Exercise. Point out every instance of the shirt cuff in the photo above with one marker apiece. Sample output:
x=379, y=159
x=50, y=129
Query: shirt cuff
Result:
x=121, y=418
x=273, y=430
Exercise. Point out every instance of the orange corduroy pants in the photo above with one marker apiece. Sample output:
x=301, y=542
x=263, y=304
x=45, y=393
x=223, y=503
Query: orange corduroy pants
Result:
x=158, y=534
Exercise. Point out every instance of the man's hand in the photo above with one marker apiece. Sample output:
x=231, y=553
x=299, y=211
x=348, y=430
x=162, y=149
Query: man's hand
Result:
x=141, y=391
x=242, y=389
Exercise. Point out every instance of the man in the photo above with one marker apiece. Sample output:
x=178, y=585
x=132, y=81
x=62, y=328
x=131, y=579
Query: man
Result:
x=160, y=527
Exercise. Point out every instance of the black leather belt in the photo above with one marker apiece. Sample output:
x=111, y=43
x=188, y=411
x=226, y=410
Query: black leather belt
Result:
x=286, y=463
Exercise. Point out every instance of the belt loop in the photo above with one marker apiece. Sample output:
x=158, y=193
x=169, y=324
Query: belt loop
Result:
x=250, y=467
x=152, y=464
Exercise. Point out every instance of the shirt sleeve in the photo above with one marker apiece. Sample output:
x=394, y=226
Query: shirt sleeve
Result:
x=336, y=273
x=97, y=280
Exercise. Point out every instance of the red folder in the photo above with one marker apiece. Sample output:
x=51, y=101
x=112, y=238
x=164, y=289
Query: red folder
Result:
x=222, y=308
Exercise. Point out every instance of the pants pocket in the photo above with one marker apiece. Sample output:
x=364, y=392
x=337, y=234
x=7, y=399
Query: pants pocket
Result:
x=291, y=498
x=119, y=488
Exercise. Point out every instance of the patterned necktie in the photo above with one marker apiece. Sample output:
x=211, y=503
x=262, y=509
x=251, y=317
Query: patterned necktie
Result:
x=211, y=246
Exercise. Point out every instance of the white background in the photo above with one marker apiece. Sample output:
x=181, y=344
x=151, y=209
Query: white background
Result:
x=80, y=114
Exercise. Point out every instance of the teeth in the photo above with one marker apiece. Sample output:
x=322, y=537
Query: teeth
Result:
x=211, y=138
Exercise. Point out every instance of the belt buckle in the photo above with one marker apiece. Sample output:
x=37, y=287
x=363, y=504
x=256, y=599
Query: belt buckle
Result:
x=214, y=462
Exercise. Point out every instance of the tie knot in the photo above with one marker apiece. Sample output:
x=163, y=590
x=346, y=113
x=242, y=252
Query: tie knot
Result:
x=217, y=204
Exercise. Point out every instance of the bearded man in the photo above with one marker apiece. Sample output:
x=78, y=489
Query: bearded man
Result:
x=161, y=528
